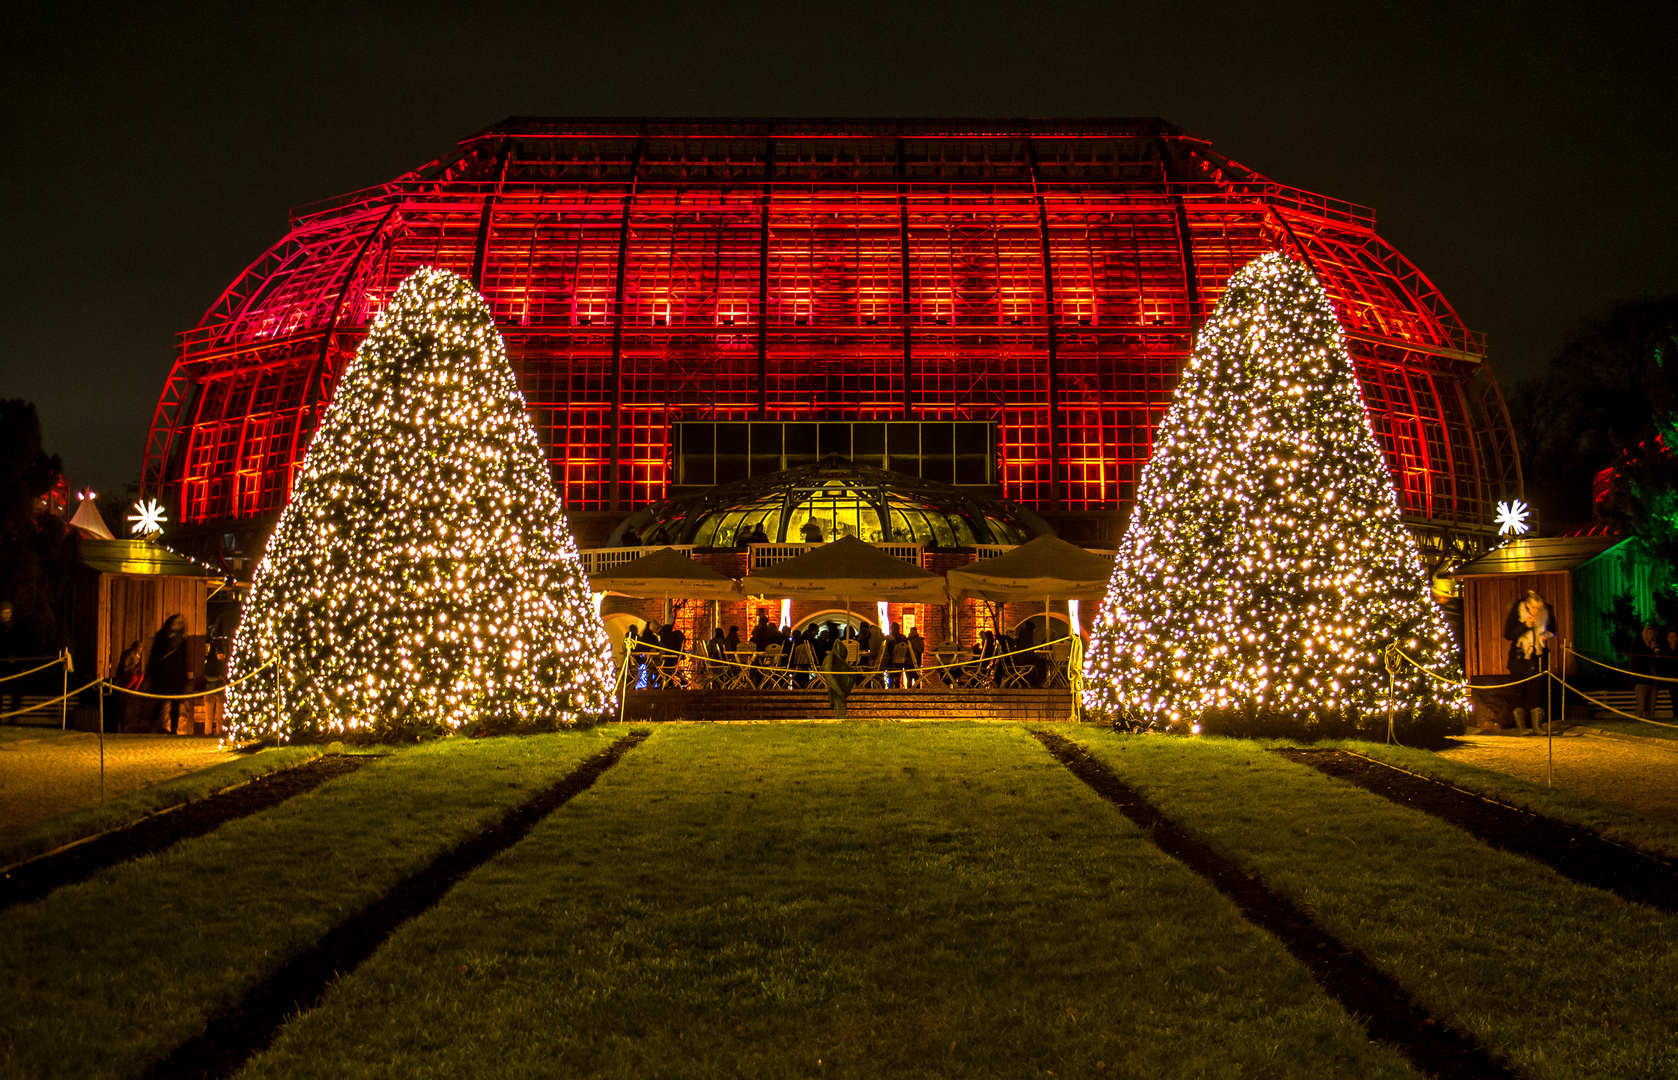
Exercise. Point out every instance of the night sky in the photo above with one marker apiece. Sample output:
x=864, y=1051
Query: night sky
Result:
x=1524, y=156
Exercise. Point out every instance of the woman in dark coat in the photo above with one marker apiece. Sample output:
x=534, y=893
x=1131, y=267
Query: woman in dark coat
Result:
x=169, y=669
x=1527, y=629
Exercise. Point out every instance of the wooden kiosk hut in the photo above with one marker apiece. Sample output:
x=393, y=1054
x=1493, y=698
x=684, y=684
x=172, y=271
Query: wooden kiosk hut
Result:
x=121, y=593
x=1492, y=583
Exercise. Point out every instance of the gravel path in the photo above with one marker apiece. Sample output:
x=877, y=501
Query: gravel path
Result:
x=1640, y=774
x=46, y=774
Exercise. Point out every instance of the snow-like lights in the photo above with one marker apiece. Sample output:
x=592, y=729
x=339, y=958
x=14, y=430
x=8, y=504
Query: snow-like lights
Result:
x=147, y=519
x=423, y=572
x=1265, y=563
x=1512, y=518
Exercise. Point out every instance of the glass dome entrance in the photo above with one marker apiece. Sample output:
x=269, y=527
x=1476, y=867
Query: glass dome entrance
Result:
x=836, y=498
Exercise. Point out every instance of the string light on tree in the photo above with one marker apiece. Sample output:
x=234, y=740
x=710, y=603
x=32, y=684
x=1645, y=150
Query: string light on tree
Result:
x=423, y=573
x=1511, y=518
x=1265, y=564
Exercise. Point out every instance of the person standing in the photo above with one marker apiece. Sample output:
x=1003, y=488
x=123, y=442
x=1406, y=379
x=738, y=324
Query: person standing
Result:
x=1644, y=659
x=674, y=641
x=11, y=647
x=130, y=676
x=1668, y=668
x=917, y=653
x=804, y=662
x=168, y=667
x=1527, y=629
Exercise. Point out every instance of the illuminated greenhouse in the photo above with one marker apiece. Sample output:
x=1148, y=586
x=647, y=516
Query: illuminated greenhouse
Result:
x=690, y=303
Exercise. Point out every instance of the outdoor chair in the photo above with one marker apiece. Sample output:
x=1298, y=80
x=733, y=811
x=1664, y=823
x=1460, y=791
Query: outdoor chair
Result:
x=738, y=676
x=869, y=677
x=771, y=674
x=1059, y=675
x=703, y=670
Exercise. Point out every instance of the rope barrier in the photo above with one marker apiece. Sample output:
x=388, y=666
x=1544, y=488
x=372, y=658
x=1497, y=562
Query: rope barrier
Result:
x=115, y=689
x=654, y=647
x=1610, y=708
x=1464, y=683
x=1634, y=674
x=1393, y=649
x=54, y=701
x=54, y=662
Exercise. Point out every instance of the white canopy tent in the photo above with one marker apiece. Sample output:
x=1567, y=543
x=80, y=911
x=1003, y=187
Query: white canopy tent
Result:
x=665, y=572
x=847, y=569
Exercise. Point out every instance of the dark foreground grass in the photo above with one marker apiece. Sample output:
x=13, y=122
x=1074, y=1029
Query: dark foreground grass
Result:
x=1564, y=981
x=1615, y=822
x=17, y=845
x=107, y=976
x=856, y=900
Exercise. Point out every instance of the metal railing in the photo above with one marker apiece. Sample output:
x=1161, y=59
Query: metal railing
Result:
x=596, y=560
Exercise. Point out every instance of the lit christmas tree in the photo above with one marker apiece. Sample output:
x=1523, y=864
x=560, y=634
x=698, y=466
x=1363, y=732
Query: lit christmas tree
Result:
x=1265, y=566
x=423, y=574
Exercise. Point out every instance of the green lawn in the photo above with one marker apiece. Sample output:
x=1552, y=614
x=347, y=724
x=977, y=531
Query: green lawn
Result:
x=1623, y=726
x=1614, y=822
x=44, y=836
x=851, y=900
x=1563, y=980
x=107, y=976
x=856, y=899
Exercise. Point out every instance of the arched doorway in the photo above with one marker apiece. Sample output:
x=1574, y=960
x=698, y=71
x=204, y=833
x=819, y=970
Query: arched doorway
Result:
x=1056, y=626
x=834, y=617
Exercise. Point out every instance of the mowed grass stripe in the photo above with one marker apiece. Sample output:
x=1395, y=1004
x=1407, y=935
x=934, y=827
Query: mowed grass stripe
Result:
x=107, y=976
x=850, y=900
x=1561, y=980
x=1360, y=987
x=161, y=831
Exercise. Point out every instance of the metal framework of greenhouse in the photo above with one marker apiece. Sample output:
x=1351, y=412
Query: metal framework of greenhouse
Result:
x=1043, y=276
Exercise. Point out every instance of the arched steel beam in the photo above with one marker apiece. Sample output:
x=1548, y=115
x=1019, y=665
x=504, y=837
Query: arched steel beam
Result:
x=904, y=280
x=1051, y=331
x=315, y=389
x=613, y=436
x=763, y=279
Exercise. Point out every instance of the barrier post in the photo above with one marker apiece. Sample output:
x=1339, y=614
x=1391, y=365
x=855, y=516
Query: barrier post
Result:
x=1550, y=720
x=99, y=689
x=1566, y=651
x=1390, y=658
x=64, y=702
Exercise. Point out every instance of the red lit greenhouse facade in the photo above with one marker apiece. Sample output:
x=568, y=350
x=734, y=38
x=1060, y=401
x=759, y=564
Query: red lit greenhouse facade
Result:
x=1043, y=277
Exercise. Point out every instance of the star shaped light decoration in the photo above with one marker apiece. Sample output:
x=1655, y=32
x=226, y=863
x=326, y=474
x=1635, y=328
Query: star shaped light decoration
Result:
x=148, y=518
x=1511, y=518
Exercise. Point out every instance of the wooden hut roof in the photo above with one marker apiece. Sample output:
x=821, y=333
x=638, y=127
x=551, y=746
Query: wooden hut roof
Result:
x=140, y=557
x=1550, y=555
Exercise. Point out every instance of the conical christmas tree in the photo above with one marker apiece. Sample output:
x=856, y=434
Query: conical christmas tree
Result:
x=1265, y=566
x=423, y=574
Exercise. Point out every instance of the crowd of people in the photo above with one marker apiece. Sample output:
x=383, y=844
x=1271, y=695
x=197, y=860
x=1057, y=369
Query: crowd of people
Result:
x=779, y=656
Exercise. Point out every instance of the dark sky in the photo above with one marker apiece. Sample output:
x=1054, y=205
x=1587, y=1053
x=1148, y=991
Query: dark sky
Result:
x=1525, y=156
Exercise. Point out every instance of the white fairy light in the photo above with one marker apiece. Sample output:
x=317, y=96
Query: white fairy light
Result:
x=1265, y=563
x=1512, y=518
x=423, y=571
